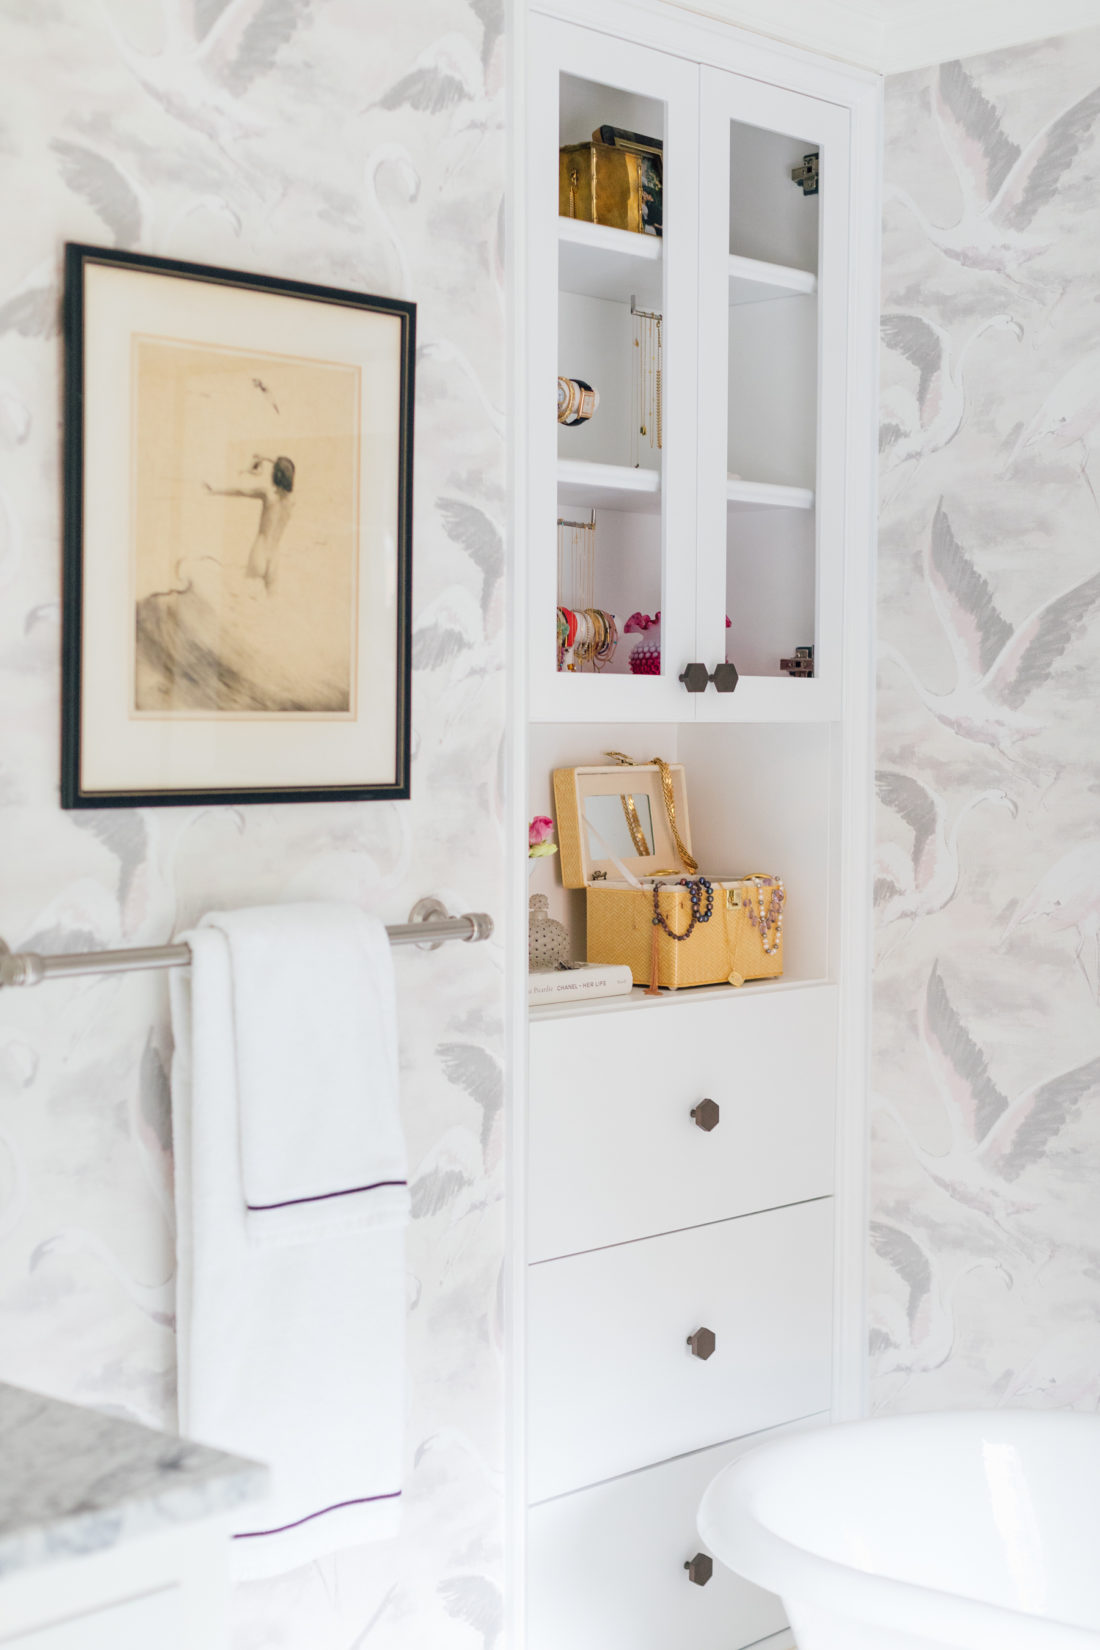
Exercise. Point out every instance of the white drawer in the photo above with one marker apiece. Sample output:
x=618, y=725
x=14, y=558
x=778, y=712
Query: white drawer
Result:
x=612, y=1384
x=606, y=1567
x=151, y=1622
x=613, y=1151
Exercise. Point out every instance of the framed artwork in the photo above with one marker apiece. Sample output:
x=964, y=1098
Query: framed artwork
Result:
x=238, y=501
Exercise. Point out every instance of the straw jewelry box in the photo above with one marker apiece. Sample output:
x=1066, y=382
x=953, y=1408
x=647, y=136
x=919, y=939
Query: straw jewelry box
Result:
x=624, y=834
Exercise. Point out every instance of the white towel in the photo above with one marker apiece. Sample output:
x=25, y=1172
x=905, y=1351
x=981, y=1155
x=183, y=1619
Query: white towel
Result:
x=292, y=1318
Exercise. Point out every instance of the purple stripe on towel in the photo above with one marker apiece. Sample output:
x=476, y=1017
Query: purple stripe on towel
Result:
x=360, y=1501
x=320, y=1197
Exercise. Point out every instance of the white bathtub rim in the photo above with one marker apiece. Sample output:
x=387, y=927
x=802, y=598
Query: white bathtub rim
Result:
x=801, y=1576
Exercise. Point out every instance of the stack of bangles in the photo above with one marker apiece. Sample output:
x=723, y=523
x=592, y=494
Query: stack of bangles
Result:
x=588, y=636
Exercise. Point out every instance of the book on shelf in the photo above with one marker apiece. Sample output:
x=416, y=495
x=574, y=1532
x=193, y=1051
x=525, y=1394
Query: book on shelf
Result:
x=571, y=985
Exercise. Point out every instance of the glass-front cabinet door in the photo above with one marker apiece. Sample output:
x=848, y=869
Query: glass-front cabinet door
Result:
x=612, y=338
x=773, y=188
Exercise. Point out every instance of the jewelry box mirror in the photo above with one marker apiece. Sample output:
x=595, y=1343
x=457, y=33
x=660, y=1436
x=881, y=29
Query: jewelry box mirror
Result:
x=618, y=824
x=598, y=810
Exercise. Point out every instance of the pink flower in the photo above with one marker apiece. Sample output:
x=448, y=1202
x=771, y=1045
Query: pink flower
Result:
x=540, y=830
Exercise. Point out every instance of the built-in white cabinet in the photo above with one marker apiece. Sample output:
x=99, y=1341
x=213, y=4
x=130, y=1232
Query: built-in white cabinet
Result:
x=169, y=1590
x=690, y=1167
x=131, y=1624
x=114, y=1536
x=731, y=504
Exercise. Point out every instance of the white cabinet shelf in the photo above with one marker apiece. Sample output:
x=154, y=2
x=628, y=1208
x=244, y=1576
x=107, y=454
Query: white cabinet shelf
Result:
x=755, y=282
x=586, y=486
x=639, y=999
x=597, y=262
x=764, y=495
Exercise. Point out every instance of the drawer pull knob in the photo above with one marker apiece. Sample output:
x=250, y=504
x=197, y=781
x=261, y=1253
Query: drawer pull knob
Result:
x=699, y=1569
x=706, y=1115
x=702, y=1343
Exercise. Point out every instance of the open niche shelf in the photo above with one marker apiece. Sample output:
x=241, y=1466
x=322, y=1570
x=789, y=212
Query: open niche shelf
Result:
x=734, y=827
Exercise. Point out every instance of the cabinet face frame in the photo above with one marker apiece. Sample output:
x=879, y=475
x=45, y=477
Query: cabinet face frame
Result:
x=682, y=34
x=555, y=49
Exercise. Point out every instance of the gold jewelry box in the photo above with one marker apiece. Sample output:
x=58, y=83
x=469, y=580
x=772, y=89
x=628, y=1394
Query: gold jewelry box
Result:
x=602, y=184
x=621, y=822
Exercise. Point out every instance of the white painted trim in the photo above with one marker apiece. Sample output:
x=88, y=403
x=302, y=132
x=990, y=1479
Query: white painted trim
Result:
x=854, y=920
x=515, y=820
x=825, y=26
x=711, y=36
x=854, y=34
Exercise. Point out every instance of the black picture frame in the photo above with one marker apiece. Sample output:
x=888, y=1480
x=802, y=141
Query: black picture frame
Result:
x=312, y=718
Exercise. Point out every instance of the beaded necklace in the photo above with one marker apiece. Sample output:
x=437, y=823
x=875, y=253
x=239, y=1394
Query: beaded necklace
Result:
x=764, y=918
x=697, y=888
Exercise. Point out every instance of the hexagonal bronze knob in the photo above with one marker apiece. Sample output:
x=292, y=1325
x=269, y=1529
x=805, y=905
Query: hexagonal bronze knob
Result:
x=695, y=678
x=706, y=1115
x=725, y=677
x=700, y=1568
x=702, y=1343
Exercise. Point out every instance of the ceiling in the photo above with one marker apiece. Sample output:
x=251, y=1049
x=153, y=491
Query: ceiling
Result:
x=891, y=36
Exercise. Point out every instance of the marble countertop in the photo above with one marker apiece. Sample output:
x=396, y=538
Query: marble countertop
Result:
x=73, y=1480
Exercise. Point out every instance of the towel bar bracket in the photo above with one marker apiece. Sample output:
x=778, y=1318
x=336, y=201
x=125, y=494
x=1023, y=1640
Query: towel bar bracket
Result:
x=429, y=917
x=427, y=910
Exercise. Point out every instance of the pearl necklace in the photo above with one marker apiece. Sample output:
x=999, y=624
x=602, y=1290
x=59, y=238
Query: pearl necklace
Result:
x=696, y=888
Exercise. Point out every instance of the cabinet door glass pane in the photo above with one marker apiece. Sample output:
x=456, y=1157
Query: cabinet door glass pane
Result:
x=771, y=457
x=610, y=365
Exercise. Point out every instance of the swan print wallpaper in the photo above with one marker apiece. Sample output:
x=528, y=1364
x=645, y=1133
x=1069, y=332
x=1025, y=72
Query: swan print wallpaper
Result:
x=985, y=1265
x=355, y=144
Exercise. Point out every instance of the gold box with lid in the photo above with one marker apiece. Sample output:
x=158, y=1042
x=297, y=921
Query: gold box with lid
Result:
x=621, y=828
x=604, y=184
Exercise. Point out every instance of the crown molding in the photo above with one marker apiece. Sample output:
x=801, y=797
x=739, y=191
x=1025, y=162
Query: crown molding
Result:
x=827, y=26
x=914, y=36
x=941, y=32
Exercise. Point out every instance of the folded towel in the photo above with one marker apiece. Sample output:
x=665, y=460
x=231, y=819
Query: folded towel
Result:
x=291, y=1318
x=315, y=1027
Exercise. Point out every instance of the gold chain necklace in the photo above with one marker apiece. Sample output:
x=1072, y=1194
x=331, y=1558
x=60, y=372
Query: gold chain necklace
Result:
x=670, y=809
x=634, y=825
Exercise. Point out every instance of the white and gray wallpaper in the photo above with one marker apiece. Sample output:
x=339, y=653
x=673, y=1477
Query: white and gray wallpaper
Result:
x=360, y=144
x=986, y=1250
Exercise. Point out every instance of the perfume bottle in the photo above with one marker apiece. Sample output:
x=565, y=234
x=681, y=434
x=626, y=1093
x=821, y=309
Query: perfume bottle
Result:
x=547, y=939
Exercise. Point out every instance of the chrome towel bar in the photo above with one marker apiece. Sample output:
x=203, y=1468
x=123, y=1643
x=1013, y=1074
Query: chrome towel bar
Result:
x=428, y=926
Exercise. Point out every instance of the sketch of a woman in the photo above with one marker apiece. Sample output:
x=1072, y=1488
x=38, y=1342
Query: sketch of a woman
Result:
x=272, y=484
